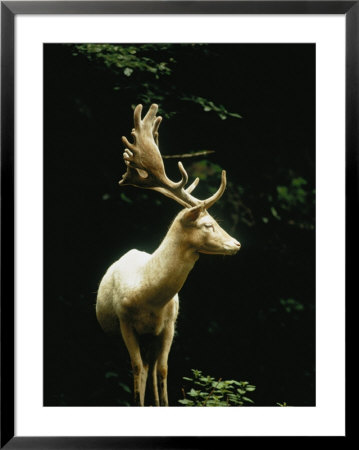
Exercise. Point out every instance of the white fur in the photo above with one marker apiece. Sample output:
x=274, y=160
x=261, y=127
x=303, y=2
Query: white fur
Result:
x=139, y=294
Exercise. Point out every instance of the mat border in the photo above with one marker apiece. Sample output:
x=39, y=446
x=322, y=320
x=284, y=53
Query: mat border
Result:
x=9, y=9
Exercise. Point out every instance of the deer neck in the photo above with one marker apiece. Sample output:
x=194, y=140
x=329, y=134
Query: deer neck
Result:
x=169, y=266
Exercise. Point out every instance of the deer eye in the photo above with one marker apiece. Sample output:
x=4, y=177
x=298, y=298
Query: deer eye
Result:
x=209, y=226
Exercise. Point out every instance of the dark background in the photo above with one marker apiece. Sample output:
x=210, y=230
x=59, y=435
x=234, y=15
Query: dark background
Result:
x=247, y=317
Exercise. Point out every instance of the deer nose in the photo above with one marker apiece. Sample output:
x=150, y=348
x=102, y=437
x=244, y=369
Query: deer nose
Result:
x=238, y=244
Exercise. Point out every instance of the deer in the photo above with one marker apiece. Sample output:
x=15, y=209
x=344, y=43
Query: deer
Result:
x=138, y=295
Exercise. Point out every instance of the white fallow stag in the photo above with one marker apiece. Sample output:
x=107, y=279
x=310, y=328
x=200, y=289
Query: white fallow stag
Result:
x=138, y=295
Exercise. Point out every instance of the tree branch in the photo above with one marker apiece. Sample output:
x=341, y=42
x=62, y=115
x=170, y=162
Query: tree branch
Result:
x=189, y=155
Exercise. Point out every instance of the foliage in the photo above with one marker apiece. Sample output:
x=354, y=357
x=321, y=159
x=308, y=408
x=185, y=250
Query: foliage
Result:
x=292, y=195
x=233, y=202
x=208, y=105
x=292, y=202
x=207, y=391
x=128, y=59
x=121, y=389
x=144, y=71
x=291, y=305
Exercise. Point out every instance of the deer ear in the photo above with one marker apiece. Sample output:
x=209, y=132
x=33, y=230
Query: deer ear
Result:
x=192, y=214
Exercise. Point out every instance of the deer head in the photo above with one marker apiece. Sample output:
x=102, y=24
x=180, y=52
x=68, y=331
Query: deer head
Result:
x=145, y=169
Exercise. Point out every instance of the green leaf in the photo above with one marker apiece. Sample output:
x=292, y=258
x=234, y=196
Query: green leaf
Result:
x=274, y=213
x=238, y=116
x=246, y=399
x=193, y=393
x=111, y=375
x=125, y=387
x=128, y=72
x=186, y=402
x=298, y=182
x=125, y=198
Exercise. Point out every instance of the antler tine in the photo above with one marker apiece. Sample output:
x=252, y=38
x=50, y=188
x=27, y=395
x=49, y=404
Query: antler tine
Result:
x=178, y=192
x=184, y=175
x=137, y=113
x=192, y=186
x=156, y=125
x=216, y=196
x=145, y=166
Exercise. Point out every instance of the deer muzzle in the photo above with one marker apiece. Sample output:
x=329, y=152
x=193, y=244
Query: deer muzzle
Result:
x=232, y=246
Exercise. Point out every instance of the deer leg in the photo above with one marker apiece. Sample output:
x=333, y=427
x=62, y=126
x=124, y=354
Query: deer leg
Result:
x=133, y=348
x=151, y=359
x=162, y=362
x=144, y=373
x=156, y=399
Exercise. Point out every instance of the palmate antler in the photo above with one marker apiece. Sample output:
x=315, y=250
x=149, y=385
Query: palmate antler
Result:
x=145, y=166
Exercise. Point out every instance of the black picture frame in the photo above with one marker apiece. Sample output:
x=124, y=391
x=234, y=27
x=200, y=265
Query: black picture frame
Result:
x=9, y=10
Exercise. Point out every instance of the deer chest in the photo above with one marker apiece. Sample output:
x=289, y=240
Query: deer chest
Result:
x=150, y=321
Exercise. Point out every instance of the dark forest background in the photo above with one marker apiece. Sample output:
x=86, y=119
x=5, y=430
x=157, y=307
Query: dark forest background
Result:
x=246, y=317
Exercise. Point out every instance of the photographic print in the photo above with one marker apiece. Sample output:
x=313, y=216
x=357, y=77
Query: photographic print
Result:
x=213, y=301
